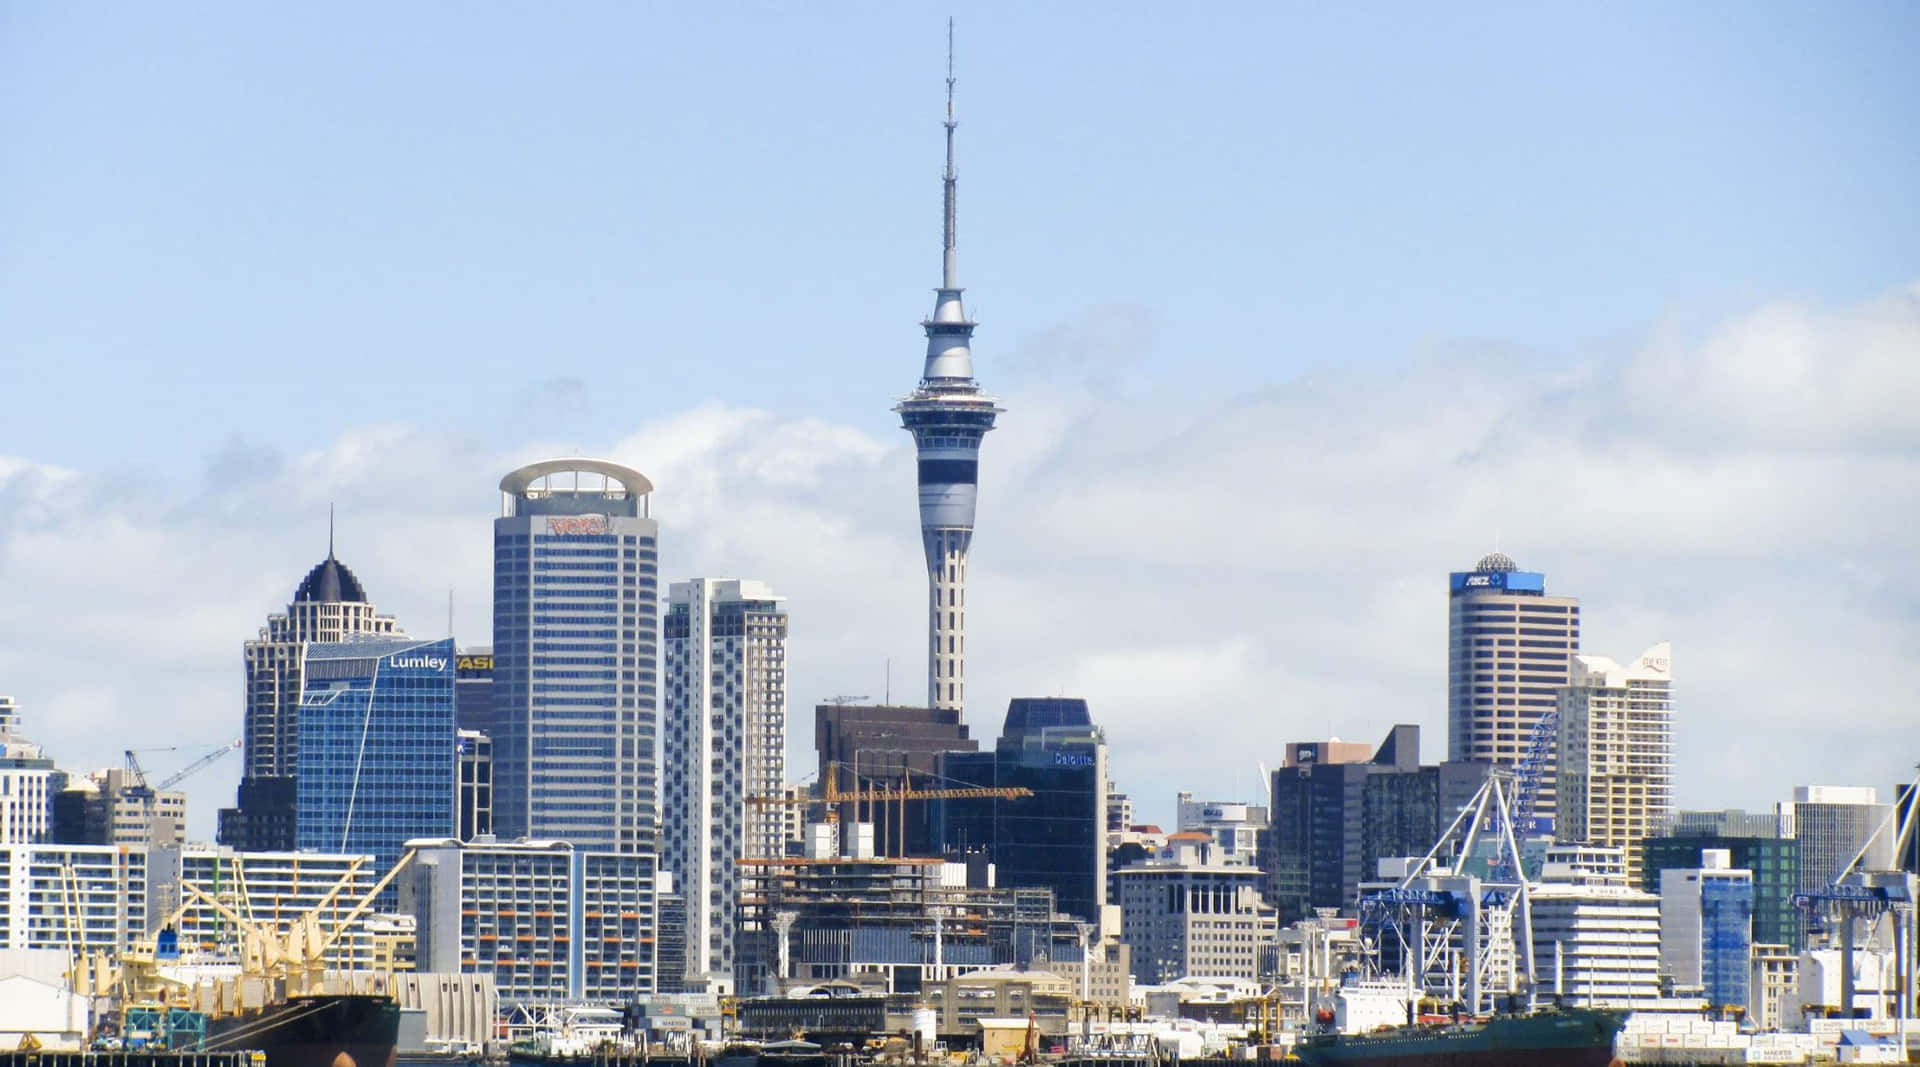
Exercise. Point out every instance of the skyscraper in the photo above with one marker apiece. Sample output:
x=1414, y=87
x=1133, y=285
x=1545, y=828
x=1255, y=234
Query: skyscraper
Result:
x=887, y=747
x=1510, y=647
x=575, y=655
x=1615, y=752
x=948, y=415
x=723, y=739
x=376, y=764
x=329, y=605
x=1055, y=839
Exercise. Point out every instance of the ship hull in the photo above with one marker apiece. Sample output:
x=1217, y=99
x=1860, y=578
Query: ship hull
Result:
x=1554, y=1039
x=316, y=1032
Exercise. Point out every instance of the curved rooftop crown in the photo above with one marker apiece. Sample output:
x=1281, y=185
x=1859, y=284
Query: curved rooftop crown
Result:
x=330, y=582
x=519, y=482
x=1496, y=561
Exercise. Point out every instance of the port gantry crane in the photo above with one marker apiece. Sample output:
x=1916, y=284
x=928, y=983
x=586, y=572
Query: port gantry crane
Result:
x=832, y=796
x=1858, y=895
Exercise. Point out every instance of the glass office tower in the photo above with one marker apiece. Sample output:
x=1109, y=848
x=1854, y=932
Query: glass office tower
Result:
x=575, y=656
x=376, y=755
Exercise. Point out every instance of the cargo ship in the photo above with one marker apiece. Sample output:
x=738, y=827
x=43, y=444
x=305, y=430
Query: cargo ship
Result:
x=315, y=1031
x=1568, y=1038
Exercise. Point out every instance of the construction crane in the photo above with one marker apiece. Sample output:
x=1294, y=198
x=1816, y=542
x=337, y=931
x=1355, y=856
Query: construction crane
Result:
x=196, y=766
x=832, y=796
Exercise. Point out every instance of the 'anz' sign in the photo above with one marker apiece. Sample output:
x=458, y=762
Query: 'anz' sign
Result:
x=417, y=662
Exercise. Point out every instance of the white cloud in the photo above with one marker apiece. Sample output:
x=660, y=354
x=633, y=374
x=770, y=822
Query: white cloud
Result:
x=1218, y=579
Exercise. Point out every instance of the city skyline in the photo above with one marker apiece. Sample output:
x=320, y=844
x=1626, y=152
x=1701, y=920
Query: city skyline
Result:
x=1722, y=458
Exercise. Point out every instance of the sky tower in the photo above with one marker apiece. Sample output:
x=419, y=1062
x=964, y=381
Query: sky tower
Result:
x=947, y=415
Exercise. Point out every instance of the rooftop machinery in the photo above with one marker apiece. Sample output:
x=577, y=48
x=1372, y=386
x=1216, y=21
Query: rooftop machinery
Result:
x=1454, y=935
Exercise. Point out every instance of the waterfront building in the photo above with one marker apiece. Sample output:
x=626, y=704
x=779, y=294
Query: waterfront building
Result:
x=894, y=924
x=723, y=740
x=550, y=922
x=1774, y=861
x=1330, y=823
x=1509, y=652
x=75, y=898
x=1773, y=987
x=948, y=414
x=1054, y=839
x=887, y=747
x=1193, y=909
x=1706, y=928
x=330, y=605
x=474, y=752
x=276, y=890
x=1833, y=823
x=1614, y=753
x=1596, y=939
x=1235, y=828
x=576, y=656
x=28, y=784
x=473, y=689
x=376, y=763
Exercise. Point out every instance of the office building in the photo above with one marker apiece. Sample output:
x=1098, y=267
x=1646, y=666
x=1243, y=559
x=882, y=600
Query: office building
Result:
x=1596, y=939
x=1706, y=928
x=376, y=763
x=474, y=752
x=550, y=922
x=1191, y=910
x=473, y=689
x=576, y=656
x=111, y=807
x=723, y=740
x=1751, y=843
x=329, y=605
x=1054, y=839
x=1615, y=752
x=9, y=716
x=884, y=748
x=276, y=890
x=28, y=783
x=670, y=935
x=1773, y=987
x=1509, y=653
x=1330, y=823
x=947, y=414
x=75, y=898
x=1235, y=828
x=1834, y=823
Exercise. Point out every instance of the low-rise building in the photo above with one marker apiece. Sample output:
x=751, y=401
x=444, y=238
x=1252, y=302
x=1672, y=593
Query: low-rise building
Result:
x=1596, y=939
x=1773, y=987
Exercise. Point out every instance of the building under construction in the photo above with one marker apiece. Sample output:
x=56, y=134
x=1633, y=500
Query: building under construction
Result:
x=890, y=925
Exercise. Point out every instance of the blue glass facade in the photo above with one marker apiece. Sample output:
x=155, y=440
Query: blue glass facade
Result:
x=376, y=755
x=1726, y=938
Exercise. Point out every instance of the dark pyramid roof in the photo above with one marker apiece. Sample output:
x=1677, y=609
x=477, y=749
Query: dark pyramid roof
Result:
x=1032, y=714
x=330, y=582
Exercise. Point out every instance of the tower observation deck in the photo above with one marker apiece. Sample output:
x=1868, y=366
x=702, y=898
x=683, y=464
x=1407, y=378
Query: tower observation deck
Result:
x=947, y=414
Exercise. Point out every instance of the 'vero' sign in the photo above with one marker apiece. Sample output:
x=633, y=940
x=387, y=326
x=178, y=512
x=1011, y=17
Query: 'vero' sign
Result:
x=574, y=525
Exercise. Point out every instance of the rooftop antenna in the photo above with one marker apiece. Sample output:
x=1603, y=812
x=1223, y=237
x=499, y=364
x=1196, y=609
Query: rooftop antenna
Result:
x=449, y=613
x=949, y=268
x=329, y=529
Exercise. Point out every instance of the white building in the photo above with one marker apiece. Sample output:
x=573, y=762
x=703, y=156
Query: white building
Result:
x=549, y=922
x=1596, y=940
x=1706, y=928
x=273, y=890
x=28, y=782
x=78, y=898
x=1773, y=987
x=1832, y=823
x=1234, y=827
x=724, y=739
x=1615, y=752
x=1188, y=912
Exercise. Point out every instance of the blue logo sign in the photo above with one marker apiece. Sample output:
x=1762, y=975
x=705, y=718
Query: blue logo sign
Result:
x=1073, y=759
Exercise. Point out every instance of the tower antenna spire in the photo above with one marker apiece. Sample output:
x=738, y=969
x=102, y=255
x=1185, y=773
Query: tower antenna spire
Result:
x=329, y=529
x=949, y=268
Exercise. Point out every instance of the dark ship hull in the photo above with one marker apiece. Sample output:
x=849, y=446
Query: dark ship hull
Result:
x=1548, y=1039
x=315, y=1031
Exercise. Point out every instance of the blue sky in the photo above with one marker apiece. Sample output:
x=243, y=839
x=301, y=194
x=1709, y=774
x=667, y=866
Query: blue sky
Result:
x=1273, y=270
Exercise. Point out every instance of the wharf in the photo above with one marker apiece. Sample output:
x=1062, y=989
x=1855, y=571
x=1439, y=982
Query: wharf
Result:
x=132, y=1058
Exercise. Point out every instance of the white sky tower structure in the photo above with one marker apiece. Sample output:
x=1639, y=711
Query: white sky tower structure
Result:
x=947, y=415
